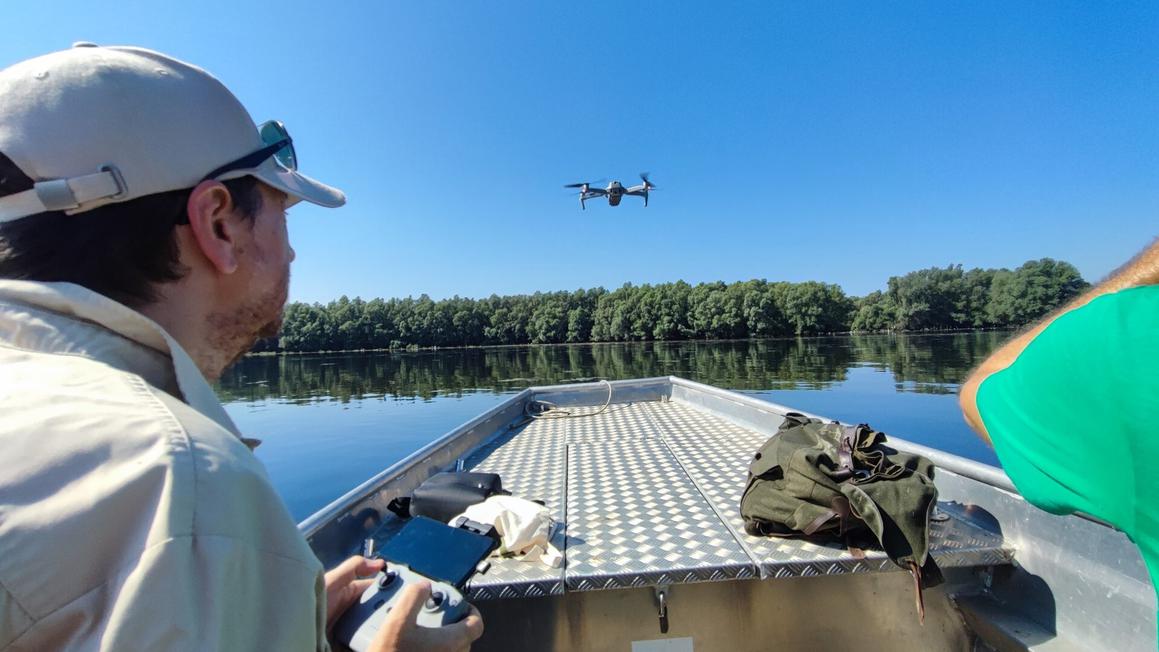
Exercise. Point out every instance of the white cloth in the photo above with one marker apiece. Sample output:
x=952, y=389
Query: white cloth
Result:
x=132, y=514
x=524, y=528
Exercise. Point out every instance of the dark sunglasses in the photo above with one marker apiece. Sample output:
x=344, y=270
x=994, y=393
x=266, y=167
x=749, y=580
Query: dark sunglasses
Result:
x=278, y=144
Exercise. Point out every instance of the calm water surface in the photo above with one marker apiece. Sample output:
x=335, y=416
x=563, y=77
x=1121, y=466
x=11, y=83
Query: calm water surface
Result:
x=328, y=422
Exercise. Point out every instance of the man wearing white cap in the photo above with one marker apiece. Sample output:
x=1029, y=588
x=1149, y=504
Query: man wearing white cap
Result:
x=143, y=248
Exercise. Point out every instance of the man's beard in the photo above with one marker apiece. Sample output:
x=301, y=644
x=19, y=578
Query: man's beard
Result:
x=272, y=327
x=236, y=333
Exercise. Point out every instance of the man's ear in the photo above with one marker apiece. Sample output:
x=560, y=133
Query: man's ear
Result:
x=216, y=225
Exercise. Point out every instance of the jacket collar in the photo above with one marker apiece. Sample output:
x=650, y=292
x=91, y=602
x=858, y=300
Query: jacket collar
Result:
x=79, y=303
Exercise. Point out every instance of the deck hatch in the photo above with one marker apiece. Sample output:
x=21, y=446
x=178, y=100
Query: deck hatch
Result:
x=635, y=518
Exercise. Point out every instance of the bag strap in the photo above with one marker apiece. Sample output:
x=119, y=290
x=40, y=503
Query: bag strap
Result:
x=816, y=523
x=916, y=572
x=845, y=447
x=840, y=505
x=849, y=450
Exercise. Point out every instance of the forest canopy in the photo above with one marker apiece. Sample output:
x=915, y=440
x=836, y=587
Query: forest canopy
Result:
x=938, y=298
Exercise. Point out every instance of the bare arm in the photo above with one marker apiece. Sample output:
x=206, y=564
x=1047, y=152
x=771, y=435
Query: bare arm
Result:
x=1141, y=270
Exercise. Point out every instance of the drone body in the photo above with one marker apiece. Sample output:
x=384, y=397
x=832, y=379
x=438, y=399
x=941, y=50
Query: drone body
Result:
x=614, y=192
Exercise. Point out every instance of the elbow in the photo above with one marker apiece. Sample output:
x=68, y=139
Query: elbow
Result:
x=968, y=402
x=966, y=395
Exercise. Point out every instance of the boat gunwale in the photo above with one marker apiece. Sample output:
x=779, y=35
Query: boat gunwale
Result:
x=336, y=508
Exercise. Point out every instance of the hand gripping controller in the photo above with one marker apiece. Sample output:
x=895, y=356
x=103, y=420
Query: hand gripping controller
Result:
x=357, y=627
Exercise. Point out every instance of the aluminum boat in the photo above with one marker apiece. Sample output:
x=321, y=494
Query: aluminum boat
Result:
x=645, y=477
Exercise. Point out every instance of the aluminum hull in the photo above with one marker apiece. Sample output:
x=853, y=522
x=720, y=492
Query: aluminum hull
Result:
x=647, y=489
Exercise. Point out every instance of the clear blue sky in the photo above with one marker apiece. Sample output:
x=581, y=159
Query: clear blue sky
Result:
x=844, y=143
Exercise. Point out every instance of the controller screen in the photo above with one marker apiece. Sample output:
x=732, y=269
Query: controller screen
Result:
x=437, y=551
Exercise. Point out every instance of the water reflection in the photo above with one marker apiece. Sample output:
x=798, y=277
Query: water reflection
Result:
x=331, y=421
x=926, y=364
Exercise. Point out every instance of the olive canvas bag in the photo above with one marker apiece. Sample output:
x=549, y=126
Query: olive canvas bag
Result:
x=836, y=483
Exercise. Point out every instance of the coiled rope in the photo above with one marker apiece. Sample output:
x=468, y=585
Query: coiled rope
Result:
x=539, y=409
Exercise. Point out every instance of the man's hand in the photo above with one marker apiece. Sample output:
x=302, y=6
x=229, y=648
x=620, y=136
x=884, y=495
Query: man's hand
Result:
x=401, y=631
x=345, y=584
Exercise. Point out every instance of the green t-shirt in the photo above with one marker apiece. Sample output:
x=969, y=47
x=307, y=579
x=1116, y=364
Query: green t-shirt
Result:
x=1074, y=418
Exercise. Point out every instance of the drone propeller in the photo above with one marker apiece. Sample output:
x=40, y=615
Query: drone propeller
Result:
x=590, y=184
x=647, y=184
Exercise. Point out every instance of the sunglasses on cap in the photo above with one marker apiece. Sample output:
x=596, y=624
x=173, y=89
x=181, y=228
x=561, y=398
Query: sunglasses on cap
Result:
x=278, y=144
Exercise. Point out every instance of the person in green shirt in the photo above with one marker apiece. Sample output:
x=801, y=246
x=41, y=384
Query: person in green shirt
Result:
x=1071, y=406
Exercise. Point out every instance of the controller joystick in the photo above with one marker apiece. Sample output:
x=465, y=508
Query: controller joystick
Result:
x=357, y=627
x=385, y=578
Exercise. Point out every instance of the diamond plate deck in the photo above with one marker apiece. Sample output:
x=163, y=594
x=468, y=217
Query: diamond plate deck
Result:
x=532, y=461
x=635, y=518
x=648, y=493
x=716, y=454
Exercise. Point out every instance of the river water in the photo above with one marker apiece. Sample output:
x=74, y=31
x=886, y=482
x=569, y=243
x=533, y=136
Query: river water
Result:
x=328, y=422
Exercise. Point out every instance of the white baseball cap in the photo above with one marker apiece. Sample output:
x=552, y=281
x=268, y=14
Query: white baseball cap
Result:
x=94, y=125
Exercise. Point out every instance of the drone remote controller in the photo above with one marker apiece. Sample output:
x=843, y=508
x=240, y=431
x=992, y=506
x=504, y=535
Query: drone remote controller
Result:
x=357, y=627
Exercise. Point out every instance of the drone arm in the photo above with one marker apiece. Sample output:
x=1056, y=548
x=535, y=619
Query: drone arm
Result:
x=638, y=191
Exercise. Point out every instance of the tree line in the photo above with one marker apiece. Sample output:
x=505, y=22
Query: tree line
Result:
x=930, y=299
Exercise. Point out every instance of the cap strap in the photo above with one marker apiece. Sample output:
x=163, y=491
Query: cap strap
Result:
x=61, y=194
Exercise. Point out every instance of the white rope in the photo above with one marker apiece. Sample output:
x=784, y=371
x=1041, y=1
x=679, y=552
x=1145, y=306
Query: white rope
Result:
x=549, y=410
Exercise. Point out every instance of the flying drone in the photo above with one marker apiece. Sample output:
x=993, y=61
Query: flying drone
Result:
x=614, y=192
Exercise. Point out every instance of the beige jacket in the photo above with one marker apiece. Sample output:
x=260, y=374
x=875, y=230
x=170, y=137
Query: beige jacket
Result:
x=132, y=515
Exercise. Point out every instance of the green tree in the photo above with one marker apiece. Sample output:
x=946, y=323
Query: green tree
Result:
x=875, y=312
x=715, y=312
x=762, y=316
x=813, y=307
x=933, y=298
x=975, y=297
x=548, y=321
x=671, y=311
x=1032, y=290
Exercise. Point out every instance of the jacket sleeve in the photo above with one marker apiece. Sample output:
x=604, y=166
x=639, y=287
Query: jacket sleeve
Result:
x=205, y=593
x=216, y=593
x=240, y=577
